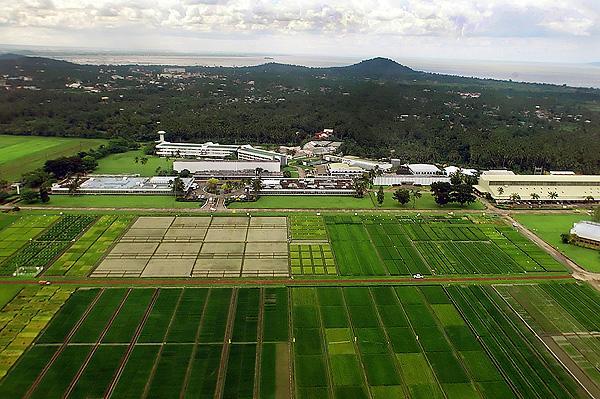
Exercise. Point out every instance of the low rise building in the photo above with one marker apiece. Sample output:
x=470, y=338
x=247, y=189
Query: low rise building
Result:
x=571, y=188
x=308, y=186
x=423, y=169
x=587, y=233
x=450, y=170
x=249, y=153
x=361, y=163
x=342, y=169
x=124, y=184
x=203, y=166
x=413, y=180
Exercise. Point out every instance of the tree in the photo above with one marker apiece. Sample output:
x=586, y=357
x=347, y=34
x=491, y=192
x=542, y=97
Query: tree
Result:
x=256, y=187
x=185, y=173
x=360, y=187
x=515, y=197
x=463, y=194
x=178, y=187
x=500, y=190
x=441, y=192
x=380, y=196
x=402, y=195
x=287, y=174
x=565, y=238
x=553, y=195
x=136, y=159
x=36, y=178
x=65, y=166
x=211, y=185
x=589, y=199
x=89, y=163
x=416, y=194
x=144, y=160
x=259, y=171
x=226, y=187
x=534, y=196
x=74, y=185
x=44, y=194
x=29, y=196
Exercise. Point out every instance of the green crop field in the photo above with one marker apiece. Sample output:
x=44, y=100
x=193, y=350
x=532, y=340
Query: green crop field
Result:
x=395, y=245
x=327, y=342
x=21, y=154
x=118, y=201
x=124, y=163
x=549, y=227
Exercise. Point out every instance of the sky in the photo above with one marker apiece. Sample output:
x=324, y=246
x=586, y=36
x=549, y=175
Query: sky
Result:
x=511, y=30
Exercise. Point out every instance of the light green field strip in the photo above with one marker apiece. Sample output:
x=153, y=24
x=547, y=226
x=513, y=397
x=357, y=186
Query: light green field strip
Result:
x=22, y=319
x=21, y=231
x=89, y=249
x=312, y=259
x=307, y=227
x=21, y=154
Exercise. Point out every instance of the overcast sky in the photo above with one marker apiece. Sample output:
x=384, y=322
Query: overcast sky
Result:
x=518, y=30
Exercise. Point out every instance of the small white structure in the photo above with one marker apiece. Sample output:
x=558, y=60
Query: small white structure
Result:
x=423, y=169
x=498, y=172
x=587, y=233
x=562, y=172
x=450, y=170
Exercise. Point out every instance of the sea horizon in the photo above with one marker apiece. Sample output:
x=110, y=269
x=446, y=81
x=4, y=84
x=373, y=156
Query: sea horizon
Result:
x=583, y=75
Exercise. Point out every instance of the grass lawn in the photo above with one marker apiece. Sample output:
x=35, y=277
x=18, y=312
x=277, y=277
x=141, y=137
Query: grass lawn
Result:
x=306, y=202
x=124, y=163
x=21, y=154
x=425, y=202
x=549, y=227
x=118, y=201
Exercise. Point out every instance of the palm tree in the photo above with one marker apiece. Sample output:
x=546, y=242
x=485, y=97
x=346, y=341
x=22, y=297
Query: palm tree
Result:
x=136, y=159
x=416, y=194
x=534, y=196
x=553, y=195
x=144, y=160
x=515, y=197
x=500, y=190
x=74, y=185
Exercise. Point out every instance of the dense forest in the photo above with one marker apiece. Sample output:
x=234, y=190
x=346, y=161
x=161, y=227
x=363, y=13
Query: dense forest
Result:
x=378, y=108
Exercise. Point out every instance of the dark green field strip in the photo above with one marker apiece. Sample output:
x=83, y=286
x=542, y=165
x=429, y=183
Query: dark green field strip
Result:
x=170, y=372
x=68, y=316
x=158, y=321
x=187, y=317
x=96, y=320
x=136, y=372
x=204, y=372
x=18, y=381
x=275, y=315
x=239, y=380
x=129, y=317
x=523, y=367
x=61, y=372
x=275, y=370
x=215, y=316
x=246, y=316
x=97, y=375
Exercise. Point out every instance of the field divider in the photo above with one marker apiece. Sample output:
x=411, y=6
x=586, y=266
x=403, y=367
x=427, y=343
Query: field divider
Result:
x=96, y=345
x=188, y=370
x=62, y=347
x=162, y=344
x=259, y=344
x=131, y=345
x=226, y=345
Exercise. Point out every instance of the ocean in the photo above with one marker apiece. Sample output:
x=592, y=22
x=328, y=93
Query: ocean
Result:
x=570, y=74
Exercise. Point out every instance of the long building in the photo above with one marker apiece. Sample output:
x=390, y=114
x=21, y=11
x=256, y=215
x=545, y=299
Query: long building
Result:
x=212, y=150
x=125, y=184
x=361, y=163
x=587, y=233
x=504, y=187
x=203, y=166
x=416, y=180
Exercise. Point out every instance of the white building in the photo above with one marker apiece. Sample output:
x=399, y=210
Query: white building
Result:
x=587, y=232
x=450, y=170
x=414, y=180
x=125, y=184
x=192, y=150
x=201, y=166
x=249, y=153
x=503, y=187
x=342, y=169
x=361, y=163
x=423, y=169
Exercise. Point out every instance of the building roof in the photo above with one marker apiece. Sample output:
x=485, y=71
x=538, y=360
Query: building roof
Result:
x=562, y=172
x=453, y=169
x=423, y=168
x=343, y=166
x=587, y=230
x=498, y=172
x=543, y=178
x=259, y=151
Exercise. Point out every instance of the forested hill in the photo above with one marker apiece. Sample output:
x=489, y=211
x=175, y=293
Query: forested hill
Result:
x=380, y=108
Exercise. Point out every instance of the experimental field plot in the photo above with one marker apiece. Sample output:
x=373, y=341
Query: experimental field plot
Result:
x=20, y=232
x=312, y=259
x=307, y=227
x=566, y=317
x=217, y=246
x=24, y=317
x=305, y=342
x=32, y=256
x=388, y=245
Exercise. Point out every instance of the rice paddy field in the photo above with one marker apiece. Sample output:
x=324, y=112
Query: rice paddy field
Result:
x=427, y=341
x=21, y=154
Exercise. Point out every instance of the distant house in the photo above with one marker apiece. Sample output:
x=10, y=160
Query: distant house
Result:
x=587, y=233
